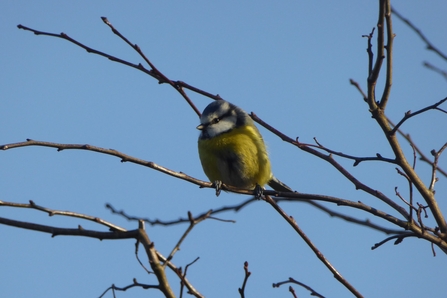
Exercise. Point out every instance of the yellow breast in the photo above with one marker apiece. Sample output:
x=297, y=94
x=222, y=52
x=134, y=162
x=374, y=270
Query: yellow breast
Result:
x=238, y=158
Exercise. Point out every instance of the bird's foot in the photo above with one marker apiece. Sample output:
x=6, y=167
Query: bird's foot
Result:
x=218, y=185
x=259, y=190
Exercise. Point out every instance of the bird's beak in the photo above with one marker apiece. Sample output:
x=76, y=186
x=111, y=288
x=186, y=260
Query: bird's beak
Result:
x=200, y=127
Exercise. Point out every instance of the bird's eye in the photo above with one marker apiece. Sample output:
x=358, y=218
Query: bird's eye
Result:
x=215, y=120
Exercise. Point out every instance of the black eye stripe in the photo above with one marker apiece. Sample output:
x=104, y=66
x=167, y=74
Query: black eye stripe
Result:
x=217, y=119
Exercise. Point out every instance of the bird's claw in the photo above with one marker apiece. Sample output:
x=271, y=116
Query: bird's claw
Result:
x=259, y=190
x=218, y=185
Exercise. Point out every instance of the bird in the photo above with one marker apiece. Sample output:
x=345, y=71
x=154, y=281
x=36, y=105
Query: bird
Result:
x=232, y=150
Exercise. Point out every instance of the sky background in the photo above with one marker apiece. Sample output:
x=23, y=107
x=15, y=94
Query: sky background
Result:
x=289, y=62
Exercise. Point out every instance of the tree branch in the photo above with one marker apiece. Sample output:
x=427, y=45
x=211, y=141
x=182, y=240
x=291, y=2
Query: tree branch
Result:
x=55, y=231
x=135, y=283
x=428, y=44
x=291, y=280
x=52, y=212
x=154, y=261
x=291, y=221
x=409, y=114
x=246, y=276
x=335, y=164
x=378, y=114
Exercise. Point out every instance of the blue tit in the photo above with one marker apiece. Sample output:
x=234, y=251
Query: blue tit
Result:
x=232, y=150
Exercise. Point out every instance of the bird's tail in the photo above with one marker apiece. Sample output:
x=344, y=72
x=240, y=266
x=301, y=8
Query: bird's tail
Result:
x=278, y=185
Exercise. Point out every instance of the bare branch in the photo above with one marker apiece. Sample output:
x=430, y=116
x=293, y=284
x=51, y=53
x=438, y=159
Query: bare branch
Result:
x=335, y=164
x=154, y=261
x=133, y=285
x=137, y=245
x=409, y=114
x=52, y=212
x=55, y=231
x=184, y=276
x=192, y=223
x=357, y=160
x=338, y=201
x=152, y=72
x=374, y=74
x=428, y=44
x=436, y=155
x=357, y=86
x=365, y=223
x=370, y=56
x=177, y=221
x=435, y=69
x=184, y=280
x=124, y=157
x=410, y=204
x=291, y=280
x=291, y=221
x=399, y=239
x=389, y=58
x=246, y=276
x=291, y=290
x=406, y=136
x=422, y=156
x=201, y=183
x=156, y=73
x=377, y=112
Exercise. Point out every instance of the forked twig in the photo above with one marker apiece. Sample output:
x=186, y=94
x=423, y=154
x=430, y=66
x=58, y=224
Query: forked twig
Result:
x=291, y=280
x=133, y=285
x=410, y=114
x=246, y=276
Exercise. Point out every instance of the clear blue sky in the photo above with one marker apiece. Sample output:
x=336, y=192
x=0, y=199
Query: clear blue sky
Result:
x=289, y=62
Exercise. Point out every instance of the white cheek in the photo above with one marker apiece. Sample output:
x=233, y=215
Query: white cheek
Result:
x=220, y=127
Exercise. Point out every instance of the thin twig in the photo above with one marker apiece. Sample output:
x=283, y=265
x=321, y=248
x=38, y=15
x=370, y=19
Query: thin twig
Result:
x=176, y=221
x=409, y=114
x=238, y=207
x=335, y=164
x=80, y=231
x=291, y=280
x=428, y=44
x=134, y=284
x=52, y=212
x=399, y=239
x=183, y=278
x=137, y=244
x=422, y=156
x=436, y=155
x=406, y=136
x=435, y=69
x=370, y=55
x=374, y=74
x=112, y=152
x=156, y=73
x=309, y=243
x=176, y=270
x=192, y=223
x=357, y=160
x=152, y=72
x=154, y=261
x=389, y=58
x=246, y=276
